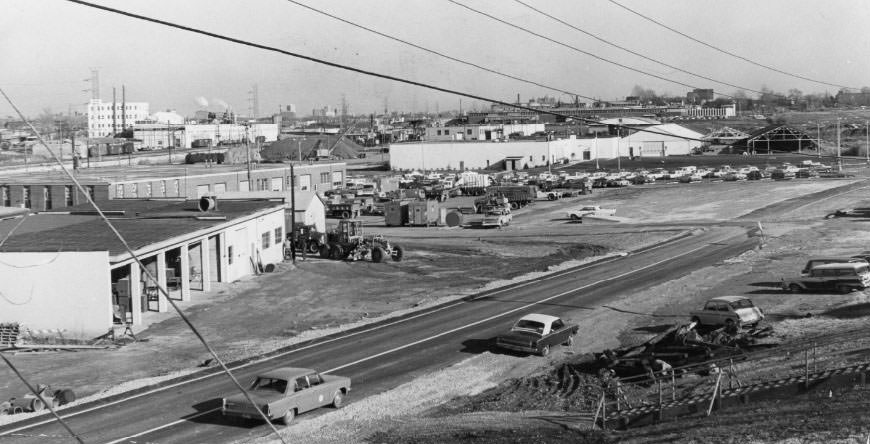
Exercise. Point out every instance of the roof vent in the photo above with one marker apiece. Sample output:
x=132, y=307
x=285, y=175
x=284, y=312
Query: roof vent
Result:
x=207, y=203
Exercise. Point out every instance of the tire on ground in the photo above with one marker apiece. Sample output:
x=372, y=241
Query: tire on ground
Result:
x=324, y=251
x=378, y=254
x=398, y=253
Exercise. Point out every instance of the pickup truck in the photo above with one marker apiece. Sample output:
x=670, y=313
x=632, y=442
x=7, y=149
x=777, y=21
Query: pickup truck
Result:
x=537, y=333
x=590, y=210
x=840, y=277
x=287, y=391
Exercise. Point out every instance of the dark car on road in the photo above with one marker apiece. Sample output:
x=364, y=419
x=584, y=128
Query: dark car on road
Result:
x=537, y=333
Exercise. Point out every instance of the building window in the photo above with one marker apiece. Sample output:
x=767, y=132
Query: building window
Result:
x=324, y=177
x=177, y=187
x=119, y=191
x=68, y=195
x=4, y=196
x=134, y=190
x=305, y=182
x=531, y=159
x=163, y=188
x=25, y=196
x=468, y=132
x=446, y=132
x=148, y=189
x=266, y=236
x=279, y=234
x=439, y=132
x=230, y=255
x=543, y=158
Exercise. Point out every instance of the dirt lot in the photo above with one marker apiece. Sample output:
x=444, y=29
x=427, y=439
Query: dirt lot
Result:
x=471, y=260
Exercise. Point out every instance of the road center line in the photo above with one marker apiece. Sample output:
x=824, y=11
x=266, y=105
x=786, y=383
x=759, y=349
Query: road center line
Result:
x=402, y=347
x=295, y=350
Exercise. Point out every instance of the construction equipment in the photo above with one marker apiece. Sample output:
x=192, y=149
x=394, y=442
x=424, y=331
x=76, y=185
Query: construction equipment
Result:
x=347, y=241
x=307, y=239
x=343, y=210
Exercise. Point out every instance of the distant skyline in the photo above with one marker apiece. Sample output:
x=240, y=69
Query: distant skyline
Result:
x=49, y=47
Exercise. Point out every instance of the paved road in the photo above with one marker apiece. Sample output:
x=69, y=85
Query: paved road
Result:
x=382, y=357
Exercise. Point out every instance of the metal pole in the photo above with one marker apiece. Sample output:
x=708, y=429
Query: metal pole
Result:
x=819, y=138
x=867, y=133
x=293, y=214
x=248, y=155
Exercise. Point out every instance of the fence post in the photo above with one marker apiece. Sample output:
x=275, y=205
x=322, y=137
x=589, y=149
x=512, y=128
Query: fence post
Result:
x=814, y=357
x=673, y=386
x=659, y=414
x=806, y=369
x=715, y=393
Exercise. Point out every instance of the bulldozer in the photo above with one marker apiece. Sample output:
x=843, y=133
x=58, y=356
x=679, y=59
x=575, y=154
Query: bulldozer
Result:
x=347, y=241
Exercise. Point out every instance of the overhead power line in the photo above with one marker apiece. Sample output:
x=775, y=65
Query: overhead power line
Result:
x=359, y=70
x=574, y=48
x=605, y=41
x=440, y=54
x=148, y=275
x=723, y=51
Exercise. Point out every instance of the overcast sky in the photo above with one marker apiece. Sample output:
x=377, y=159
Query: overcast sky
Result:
x=48, y=48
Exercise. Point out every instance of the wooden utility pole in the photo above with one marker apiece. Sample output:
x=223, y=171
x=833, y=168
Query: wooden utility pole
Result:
x=293, y=215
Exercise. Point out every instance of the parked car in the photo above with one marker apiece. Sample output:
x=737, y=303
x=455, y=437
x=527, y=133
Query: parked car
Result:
x=839, y=277
x=536, y=333
x=806, y=173
x=780, y=174
x=816, y=261
x=590, y=210
x=733, y=176
x=730, y=311
x=755, y=175
x=286, y=392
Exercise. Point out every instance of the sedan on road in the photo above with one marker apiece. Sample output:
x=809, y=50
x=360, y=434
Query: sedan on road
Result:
x=285, y=392
x=536, y=333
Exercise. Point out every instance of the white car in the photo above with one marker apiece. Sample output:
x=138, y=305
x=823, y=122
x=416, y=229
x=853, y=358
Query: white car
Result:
x=591, y=210
x=730, y=311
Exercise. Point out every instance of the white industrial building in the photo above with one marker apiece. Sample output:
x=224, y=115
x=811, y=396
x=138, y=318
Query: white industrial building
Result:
x=513, y=155
x=668, y=139
x=66, y=271
x=157, y=135
x=104, y=121
x=481, y=132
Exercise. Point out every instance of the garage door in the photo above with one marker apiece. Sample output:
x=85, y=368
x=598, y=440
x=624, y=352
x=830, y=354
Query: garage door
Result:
x=653, y=149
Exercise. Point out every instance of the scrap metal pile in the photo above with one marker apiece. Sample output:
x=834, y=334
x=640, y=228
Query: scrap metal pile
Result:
x=680, y=346
x=32, y=403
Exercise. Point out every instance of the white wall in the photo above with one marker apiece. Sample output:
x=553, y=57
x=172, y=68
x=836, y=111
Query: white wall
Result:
x=246, y=242
x=474, y=155
x=70, y=291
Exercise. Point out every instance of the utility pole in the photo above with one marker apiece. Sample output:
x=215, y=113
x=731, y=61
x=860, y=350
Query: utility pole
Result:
x=114, y=113
x=248, y=154
x=819, y=138
x=867, y=134
x=293, y=214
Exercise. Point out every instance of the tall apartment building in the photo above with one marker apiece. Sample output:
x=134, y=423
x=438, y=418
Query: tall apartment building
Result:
x=103, y=122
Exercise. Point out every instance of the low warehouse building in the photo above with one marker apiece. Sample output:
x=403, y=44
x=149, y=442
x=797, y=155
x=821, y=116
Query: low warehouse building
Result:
x=668, y=139
x=66, y=270
x=514, y=155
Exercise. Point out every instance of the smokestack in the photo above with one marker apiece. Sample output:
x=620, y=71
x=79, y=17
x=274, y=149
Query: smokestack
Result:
x=518, y=98
x=123, y=108
x=114, y=113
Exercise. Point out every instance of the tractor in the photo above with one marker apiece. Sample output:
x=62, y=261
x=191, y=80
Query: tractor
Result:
x=347, y=241
x=306, y=238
